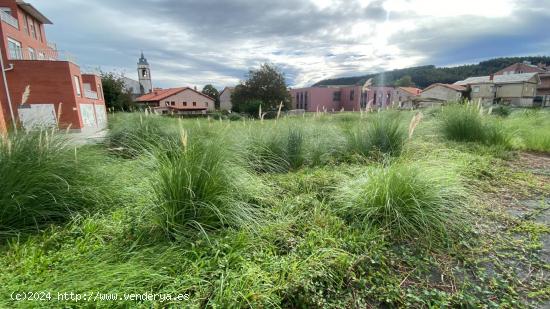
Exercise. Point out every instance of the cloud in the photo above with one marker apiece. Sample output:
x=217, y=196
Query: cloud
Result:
x=194, y=42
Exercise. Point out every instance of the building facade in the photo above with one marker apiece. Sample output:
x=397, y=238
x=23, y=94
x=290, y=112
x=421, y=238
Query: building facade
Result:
x=510, y=89
x=225, y=99
x=351, y=98
x=60, y=94
x=183, y=100
x=437, y=94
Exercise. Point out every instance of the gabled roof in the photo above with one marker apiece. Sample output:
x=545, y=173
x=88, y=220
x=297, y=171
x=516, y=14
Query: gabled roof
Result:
x=450, y=86
x=161, y=94
x=411, y=90
x=31, y=10
x=499, y=79
x=230, y=89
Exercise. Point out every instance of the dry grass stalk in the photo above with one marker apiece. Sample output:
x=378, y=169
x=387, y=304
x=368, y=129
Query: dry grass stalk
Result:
x=279, y=111
x=415, y=121
x=26, y=94
x=59, y=111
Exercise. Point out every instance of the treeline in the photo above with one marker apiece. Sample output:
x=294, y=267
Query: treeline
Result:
x=423, y=76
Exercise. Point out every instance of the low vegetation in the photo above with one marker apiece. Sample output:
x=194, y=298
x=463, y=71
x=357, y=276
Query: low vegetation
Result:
x=341, y=210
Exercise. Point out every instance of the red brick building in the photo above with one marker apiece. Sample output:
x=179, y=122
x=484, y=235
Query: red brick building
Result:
x=59, y=92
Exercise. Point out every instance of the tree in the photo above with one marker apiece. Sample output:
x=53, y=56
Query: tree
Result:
x=115, y=93
x=265, y=85
x=405, y=81
x=212, y=92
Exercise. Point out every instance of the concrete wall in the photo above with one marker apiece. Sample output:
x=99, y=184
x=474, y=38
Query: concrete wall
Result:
x=225, y=99
x=189, y=96
x=441, y=93
x=544, y=87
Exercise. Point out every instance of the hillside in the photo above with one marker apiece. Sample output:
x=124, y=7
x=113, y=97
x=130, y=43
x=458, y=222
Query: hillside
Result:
x=423, y=76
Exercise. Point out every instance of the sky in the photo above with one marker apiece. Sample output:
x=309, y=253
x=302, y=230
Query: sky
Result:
x=199, y=42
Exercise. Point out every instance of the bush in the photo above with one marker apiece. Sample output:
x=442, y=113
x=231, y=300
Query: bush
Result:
x=132, y=134
x=277, y=151
x=503, y=111
x=382, y=133
x=466, y=123
x=235, y=117
x=198, y=187
x=43, y=182
x=408, y=202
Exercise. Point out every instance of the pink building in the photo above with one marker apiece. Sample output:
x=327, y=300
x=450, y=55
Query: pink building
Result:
x=349, y=98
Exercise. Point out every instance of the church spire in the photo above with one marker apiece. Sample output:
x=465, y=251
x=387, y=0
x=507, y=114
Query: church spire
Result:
x=143, y=60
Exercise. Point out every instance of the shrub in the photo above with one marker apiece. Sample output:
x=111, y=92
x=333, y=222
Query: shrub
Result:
x=466, y=123
x=383, y=133
x=132, y=134
x=407, y=201
x=198, y=187
x=503, y=111
x=43, y=182
x=235, y=117
x=277, y=150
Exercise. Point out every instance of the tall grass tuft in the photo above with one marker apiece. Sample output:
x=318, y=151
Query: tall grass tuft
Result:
x=277, y=150
x=197, y=187
x=467, y=123
x=133, y=134
x=409, y=202
x=382, y=134
x=43, y=182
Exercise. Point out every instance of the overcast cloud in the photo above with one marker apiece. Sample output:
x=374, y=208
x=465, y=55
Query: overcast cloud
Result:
x=196, y=42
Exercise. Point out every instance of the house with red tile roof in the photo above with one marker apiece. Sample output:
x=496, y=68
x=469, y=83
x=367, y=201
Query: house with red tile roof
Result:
x=183, y=100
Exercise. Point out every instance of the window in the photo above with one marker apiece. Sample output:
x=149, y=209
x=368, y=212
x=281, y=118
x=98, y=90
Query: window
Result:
x=173, y=103
x=184, y=103
x=475, y=89
x=144, y=73
x=39, y=32
x=41, y=56
x=26, y=24
x=352, y=95
x=32, y=54
x=194, y=103
x=206, y=104
x=336, y=96
x=6, y=10
x=77, y=85
x=31, y=27
x=305, y=102
x=15, y=51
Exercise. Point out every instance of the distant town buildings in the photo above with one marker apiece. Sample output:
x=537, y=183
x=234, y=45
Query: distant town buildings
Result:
x=352, y=98
x=174, y=101
x=509, y=89
x=438, y=94
x=59, y=93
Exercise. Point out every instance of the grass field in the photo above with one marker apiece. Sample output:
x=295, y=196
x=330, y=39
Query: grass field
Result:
x=448, y=208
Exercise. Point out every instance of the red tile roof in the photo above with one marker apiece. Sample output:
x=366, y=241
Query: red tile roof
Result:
x=412, y=90
x=182, y=108
x=161, y=94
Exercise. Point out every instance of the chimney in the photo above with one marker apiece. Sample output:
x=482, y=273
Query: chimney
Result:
x=491, y=77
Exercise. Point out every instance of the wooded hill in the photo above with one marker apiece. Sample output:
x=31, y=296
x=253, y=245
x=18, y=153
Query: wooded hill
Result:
x=423, y=76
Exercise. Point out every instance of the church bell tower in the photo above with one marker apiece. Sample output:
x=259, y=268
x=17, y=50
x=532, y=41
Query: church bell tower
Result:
x=144, y=73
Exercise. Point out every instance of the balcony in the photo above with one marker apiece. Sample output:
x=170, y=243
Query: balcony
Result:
x=18, y=53
x=52, y=45
x=8, y=19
